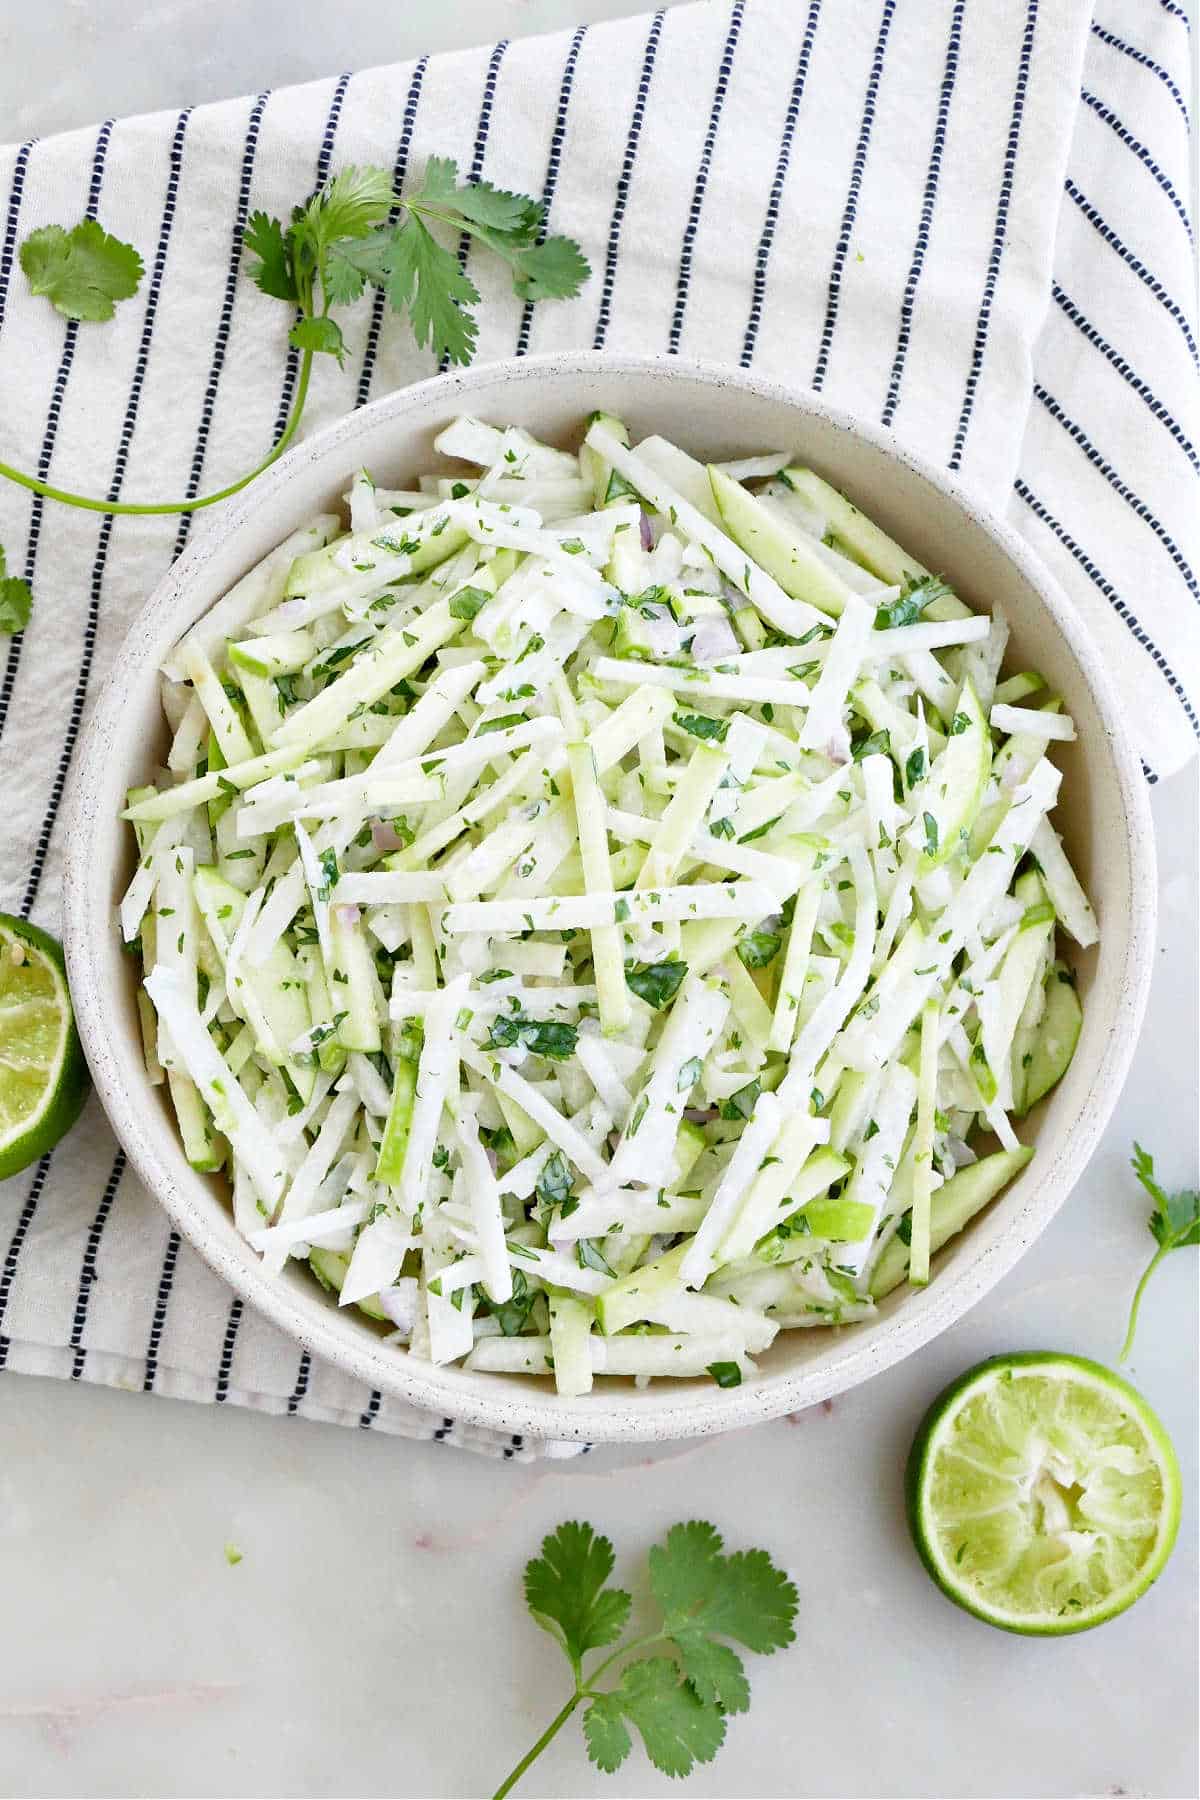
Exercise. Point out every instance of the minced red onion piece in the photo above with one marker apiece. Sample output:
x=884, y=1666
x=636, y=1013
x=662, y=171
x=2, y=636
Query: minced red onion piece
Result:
x=838, y=747
x=348, y=915
x=646, y=530
x=713, y=641
x=383, y=836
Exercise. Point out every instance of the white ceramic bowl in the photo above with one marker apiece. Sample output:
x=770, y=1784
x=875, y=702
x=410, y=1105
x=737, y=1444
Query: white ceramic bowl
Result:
x=1103, y=814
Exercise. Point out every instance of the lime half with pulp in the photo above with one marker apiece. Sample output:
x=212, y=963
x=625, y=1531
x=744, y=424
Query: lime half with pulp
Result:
x=1043, y=1493
x=43, y=1077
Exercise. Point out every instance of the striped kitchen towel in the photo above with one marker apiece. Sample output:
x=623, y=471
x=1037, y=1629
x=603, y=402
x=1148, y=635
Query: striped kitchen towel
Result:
x=967, y=221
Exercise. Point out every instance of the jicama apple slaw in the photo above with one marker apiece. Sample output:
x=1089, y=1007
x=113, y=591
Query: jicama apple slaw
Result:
x=601, y=910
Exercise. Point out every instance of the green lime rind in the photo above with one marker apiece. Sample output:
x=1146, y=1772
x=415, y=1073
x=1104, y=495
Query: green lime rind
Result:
x=66, y=1084
x=934, y=1446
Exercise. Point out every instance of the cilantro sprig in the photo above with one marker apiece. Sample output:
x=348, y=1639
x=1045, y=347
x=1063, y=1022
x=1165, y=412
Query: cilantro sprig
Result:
x=678, y=1702
x=356, y=232
x=1174, y=1225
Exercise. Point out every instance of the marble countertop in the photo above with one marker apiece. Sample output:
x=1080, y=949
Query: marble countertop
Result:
x=372, y=1641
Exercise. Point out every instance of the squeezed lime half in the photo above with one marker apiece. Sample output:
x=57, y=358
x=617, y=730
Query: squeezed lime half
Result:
x=43, y=1076
x=1043, y=1493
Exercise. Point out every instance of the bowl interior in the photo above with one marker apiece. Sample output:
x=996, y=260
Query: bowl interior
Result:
x=1102, y=816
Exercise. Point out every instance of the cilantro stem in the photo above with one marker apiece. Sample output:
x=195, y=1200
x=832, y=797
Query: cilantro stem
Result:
x=583, y=1691
x=651, y=1637
x=532, y=1754
x=134, y=508
x=1127, y=1346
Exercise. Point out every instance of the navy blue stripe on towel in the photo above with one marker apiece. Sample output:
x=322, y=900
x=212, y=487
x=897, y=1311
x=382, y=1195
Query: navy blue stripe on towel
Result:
x=158, y=1318
x=87, y=1273
x=624, y=180
x=399, y=171
x=9, y=246
x=225, y=317
x=833, y=292
x=1123, y=612
x=553, y=164
x=1172, y=307
x=683, y=280
x=297, y=1394
x=58, y=395
x=104, y=540
x=1140, y=151
x=1146, y=62
x=762, y=259
x=928, y=203
x=225, y=1366
x=8, y=1272
x=1105, y=468
x=475, y=172
x=999, y=234
x=1114, y=358
x=324, y=158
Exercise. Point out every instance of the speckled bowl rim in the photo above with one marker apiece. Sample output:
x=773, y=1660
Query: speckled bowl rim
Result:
x=609, y=1414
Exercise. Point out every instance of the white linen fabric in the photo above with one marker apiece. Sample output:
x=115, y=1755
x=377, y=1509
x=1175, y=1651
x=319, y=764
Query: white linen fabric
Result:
x=903, y=204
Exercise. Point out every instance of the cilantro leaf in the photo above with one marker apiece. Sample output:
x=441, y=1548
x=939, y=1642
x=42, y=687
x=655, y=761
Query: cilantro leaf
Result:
x=344, y=281
x=467, y=601
x=480, y=203
x=676, y=1727
x=870, y=743
x=16, y=603
x=566, y=1591
x=757, y=949
x=715, y=1672
x=83, y=272
x=700, y=1589
x=1175, y=1221
x=914, y=768
x=701, y=726
x=323, y=336
x=741, y=1104
x=915, y=596
x=352, y=262
x=504, y=723
x=426, y=282
x=16, y=600
x=349, y=205
x=273, y=273
x=656, y=983
x=553, y=270
x=512, y=1315
x=606, y=1733
x=1174, y=1225
x=555, y=1182
x=544, y=1037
